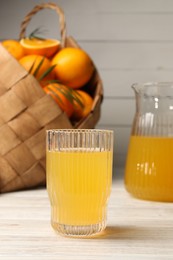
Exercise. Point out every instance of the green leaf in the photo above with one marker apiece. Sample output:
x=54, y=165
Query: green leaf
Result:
x=76, y=97
x=71, y=95
x=47, y=72
x=31, y=67
x=66, y=93
x=38, y=67
x=55, y=94
x=53, y=81
x=35, y=35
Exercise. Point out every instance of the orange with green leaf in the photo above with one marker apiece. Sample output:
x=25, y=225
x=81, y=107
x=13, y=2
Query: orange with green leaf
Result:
x=62, y=95
x=39, y=66
x=86, y=100
x=61, y=72
x=36, y=44
x=75, y=103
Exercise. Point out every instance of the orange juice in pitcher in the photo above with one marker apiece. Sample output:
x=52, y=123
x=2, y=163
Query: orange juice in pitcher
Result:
x=149, y=163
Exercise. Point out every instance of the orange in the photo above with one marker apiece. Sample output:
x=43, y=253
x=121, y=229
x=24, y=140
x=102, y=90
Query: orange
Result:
x=86, y=100
x=73, y=68
x=44, y=47
x=14, y=48
x=62, y=96
x=31, y=63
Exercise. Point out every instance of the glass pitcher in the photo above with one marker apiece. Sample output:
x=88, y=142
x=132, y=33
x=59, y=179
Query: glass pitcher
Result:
x=149, y=163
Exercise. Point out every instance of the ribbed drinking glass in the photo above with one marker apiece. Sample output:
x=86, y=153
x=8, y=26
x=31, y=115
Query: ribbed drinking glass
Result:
x=79, y=177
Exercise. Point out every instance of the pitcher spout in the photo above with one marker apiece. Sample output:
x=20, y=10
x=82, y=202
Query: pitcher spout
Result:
x=154, y=89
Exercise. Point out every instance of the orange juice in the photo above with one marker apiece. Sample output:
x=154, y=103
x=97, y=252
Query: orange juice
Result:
x=78, y=184
x=149, y=168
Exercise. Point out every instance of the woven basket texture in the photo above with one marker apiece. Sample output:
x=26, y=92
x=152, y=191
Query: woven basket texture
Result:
x=26, y=112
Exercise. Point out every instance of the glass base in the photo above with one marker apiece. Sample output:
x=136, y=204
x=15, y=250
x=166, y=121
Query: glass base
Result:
x=79, y=231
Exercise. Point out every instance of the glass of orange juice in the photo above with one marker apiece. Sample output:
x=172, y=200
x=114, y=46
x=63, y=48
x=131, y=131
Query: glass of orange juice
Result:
x=79, y=177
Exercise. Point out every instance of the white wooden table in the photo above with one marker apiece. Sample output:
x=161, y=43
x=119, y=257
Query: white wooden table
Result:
x=136, y=230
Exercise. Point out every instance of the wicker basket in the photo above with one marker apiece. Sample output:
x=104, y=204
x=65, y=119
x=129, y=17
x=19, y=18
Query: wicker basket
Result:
x=26, y=112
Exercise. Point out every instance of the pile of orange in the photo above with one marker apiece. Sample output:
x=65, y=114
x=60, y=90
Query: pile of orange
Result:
x=61, y=72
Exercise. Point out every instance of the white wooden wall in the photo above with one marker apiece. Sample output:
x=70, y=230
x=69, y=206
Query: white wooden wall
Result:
x=129, y=41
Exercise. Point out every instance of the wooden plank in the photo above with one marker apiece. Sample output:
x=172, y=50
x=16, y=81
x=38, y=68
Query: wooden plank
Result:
x=130, y=55
x=117, y=83
x=147, y=20
x=116, y=6
x=136, y=229
x=141, y=27
x=117, y=112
